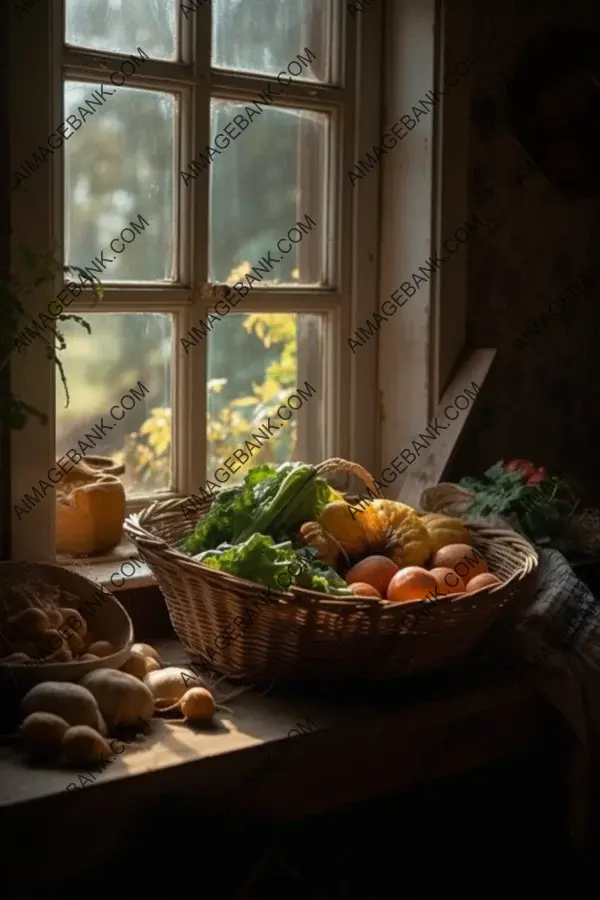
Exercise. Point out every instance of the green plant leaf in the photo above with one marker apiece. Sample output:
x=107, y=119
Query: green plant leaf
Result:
x=15, y=412
x=79, y=321
x=469, y=483
x=494, y=471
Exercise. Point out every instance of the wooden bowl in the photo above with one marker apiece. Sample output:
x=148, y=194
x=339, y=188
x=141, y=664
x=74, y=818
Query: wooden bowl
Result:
x=104, y=615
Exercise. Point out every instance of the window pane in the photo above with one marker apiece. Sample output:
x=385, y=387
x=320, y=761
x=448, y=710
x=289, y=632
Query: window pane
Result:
x=256, y=365
x=274, y=33
x=271, y=178
x=120, y=26
x=102, y=368
x=119, y=166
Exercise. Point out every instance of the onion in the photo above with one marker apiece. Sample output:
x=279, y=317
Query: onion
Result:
x=168, y=686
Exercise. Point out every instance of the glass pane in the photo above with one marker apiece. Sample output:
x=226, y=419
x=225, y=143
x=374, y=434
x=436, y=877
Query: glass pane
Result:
x=269, y=180
x=119, y=163
x=256, y=363
x=121, y=26
x=103, y=370
x=274, y=33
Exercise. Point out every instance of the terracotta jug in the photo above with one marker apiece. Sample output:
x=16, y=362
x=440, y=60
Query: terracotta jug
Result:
x=90, y=508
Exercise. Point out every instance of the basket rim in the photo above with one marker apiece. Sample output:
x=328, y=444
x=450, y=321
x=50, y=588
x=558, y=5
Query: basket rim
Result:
x=135, y=526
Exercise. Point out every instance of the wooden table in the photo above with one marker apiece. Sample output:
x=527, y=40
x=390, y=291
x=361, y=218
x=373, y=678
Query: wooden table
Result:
x=380, y=739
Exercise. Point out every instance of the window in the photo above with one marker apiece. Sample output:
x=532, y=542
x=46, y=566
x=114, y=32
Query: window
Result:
x=185, y=144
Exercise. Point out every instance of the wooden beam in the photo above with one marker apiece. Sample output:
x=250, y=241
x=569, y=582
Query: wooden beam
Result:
x=431, y=465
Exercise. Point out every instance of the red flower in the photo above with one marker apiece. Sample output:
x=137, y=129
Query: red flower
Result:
x=523, y=466
x=538, y=476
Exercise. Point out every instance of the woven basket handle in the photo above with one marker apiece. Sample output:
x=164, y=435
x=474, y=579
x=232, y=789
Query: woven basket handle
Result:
x=446, y=498
x=134, y=524
x=336, y=466
x=132, y=528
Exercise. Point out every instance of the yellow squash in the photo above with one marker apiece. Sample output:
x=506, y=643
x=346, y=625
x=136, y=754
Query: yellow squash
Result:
x=337, y=519
x=444, y=530
x=383, y=527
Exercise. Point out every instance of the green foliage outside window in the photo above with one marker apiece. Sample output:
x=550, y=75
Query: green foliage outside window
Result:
x=230, y=423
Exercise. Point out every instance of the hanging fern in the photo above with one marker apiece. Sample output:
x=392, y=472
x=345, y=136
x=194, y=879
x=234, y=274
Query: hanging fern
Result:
x=14, y=411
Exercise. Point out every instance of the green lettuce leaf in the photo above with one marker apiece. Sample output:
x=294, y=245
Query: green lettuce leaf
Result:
x=257, y=559
x=276, y=566
x=270, y=501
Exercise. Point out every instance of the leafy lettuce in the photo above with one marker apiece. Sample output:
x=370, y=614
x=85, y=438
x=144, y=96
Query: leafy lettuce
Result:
x=270, y=501
x=277, y=566
x=248, y=528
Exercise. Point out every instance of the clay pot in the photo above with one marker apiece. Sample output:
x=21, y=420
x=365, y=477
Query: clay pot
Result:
x=102, y=465
x=90, y=510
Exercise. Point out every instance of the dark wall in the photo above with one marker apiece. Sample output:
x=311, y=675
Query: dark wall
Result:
x=541, y=399
x=4, y=260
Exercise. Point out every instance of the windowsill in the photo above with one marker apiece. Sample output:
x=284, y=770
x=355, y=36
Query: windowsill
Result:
x=101, y=568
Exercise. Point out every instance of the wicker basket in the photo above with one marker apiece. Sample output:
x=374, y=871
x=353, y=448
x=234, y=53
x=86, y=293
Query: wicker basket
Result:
x=239, y=629
x=446, y=498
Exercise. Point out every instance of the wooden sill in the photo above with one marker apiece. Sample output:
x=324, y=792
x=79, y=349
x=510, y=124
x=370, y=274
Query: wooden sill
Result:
x=102, y=568
x=465, y=721
x=363, y=744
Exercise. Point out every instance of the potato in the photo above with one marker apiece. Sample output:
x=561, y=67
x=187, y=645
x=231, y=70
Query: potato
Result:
x=82, y=745
x=63, y=654
x=72, y=702
x=54, y=617
x=148, y=651
x=51, y=642
x=74, y=621
x=75, y=643
x=42, y=733
x=152, y=665
x=27, y=624
x=136, y=665
x=123, y=699
x=101, y=648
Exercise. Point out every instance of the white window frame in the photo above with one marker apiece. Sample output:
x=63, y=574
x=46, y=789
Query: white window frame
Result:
x=424, y=199
x=38, y=64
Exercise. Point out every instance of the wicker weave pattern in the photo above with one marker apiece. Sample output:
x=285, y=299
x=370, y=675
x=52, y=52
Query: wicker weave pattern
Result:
x=244, y=631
